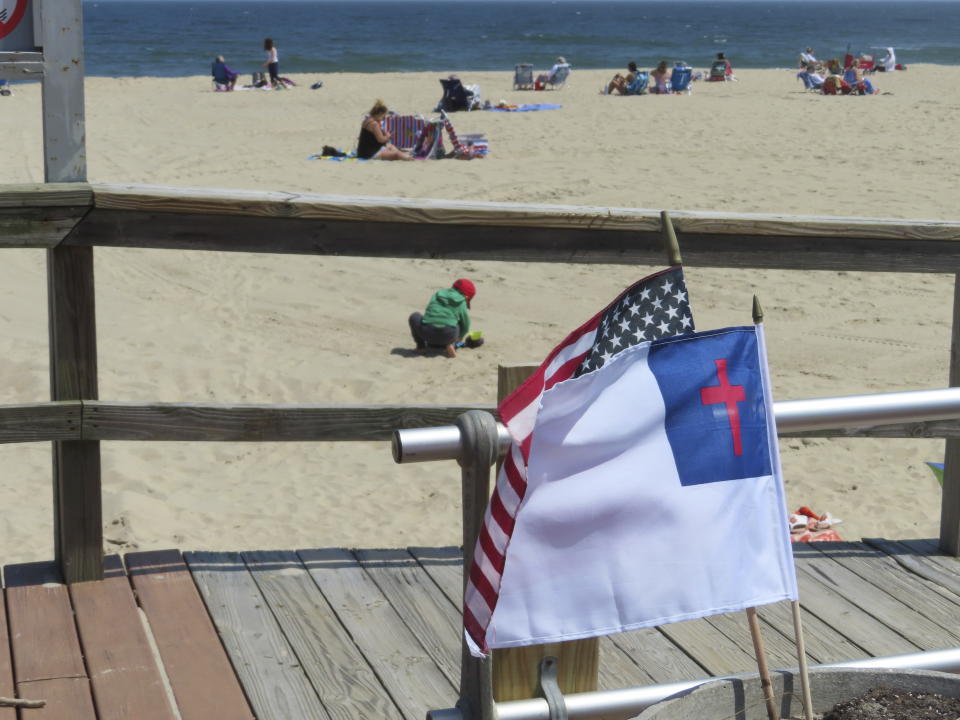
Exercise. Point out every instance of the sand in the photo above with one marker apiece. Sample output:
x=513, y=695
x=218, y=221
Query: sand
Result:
x=217, y=327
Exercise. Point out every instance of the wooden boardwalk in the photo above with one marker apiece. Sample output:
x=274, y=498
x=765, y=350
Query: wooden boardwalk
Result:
x=338, y=634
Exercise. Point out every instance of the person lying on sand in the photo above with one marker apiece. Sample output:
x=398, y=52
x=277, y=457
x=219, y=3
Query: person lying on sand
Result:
x=446, y=321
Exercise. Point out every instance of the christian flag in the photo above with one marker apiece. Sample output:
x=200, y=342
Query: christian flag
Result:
x=653, y=495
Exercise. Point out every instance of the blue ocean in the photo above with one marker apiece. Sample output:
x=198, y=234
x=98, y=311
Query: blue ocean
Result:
x=179, y=38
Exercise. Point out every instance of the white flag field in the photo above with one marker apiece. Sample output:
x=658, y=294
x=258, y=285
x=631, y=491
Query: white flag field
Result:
x=652, y=494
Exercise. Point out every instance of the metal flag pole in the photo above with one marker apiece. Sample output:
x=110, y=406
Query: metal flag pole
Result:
x=765, y=682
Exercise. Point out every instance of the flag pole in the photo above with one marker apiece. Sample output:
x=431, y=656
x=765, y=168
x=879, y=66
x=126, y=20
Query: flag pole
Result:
x=752, y=618
x=765, y=681
x=795, y=604
x=670, y=242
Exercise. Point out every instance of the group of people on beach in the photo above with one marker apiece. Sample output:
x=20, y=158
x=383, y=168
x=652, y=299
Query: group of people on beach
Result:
x=659, y=80
x=226, y=78
x=834, y=77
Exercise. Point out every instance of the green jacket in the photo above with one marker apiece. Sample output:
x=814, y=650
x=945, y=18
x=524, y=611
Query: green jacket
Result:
x=448, y=307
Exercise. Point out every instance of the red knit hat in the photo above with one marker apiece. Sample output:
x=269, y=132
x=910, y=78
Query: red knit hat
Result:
x=465, y=288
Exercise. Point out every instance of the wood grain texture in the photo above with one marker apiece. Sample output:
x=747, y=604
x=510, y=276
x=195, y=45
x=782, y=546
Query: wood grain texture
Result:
x=262, y=423
x=6, y=664
x=656, y=656
x=37, y=227
x=39, y=422
x=344, y=681
x=712, y=649
x=408, y=672
x=880, y=601
x=950, y=499
x=51, y=194
x=66, y=698
x=420, y=603
x=44, y=638
x=197, y=666
x=823, y=643
x=267, y=666
x=124, y=675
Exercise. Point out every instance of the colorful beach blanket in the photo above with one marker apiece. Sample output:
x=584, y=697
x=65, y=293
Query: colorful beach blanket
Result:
x=349, y=157
x=525, y=108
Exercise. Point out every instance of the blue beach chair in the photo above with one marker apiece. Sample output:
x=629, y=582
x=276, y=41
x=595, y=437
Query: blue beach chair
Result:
x=559, y=78
x=639, y=85
x=523, y=77
x=680, y=79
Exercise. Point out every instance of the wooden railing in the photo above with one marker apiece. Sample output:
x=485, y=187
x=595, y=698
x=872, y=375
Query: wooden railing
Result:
x=69, y=219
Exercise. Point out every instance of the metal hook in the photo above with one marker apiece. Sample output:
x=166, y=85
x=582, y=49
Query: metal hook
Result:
x=549, y=689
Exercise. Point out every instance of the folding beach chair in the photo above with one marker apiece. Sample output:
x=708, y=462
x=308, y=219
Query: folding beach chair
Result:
x=404, y=129
x=429, y=144
x=718, y=71
x=523, y=77
x=639, y=84
x=455, y=96
x=559, y=78
x=680, y=79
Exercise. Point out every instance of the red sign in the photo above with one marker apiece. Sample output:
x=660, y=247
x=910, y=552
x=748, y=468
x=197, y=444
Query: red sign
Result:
x=10, y=19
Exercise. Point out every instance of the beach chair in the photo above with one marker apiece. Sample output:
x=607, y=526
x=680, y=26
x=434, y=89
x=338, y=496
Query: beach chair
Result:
x=455, y=96
x=558, y=79
x=639, y=84
x=718, y=71
x=404, y=129
x=523, y=77
x=680, y=79
x=429, y=144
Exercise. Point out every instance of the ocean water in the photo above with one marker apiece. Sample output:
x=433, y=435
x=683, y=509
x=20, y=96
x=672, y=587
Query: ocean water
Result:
x=180, y=37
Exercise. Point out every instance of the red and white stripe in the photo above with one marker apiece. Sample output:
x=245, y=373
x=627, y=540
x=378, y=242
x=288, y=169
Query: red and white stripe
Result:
x=518, y=411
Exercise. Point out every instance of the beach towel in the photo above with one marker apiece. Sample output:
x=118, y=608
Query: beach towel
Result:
x=525, y=108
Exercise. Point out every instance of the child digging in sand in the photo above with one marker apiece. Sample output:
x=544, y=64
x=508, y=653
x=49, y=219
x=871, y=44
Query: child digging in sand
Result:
x=446, y=321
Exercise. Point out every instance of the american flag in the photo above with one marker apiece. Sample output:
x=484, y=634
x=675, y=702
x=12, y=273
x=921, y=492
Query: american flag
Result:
x=652, y=308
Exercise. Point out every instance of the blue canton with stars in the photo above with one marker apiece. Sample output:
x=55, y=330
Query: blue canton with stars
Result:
x=656, y=307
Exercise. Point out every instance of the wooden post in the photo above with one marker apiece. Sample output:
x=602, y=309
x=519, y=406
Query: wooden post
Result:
x=78, y=530
x=950, y=497
x=480, y=447
x=515, y=670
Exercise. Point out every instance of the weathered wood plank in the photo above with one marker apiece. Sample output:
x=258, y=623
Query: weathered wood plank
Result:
x=781, y=652
x=39, y=422
x=923, y=558
x=950, y=498
x=263, y=423
x=51, y=194
x=445, y=566
x=892, y=609
x=66, y=698
x=37, y=227
x=823, y=643
x=164, y=198
x=715, y=651
x=6, y=664
x=124, y=675
x=267, y=666
x=347, y=686
x=200, y=674
x=48, y=663
x=927, y=598
x=405, y=669
x=656, y=657
x=422, y=605
x=822, y=600
x=566, y=244
x=78, y=533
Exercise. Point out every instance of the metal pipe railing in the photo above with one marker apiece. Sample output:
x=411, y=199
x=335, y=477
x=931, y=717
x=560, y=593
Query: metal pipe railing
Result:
x=443, y=443
x=627, y=702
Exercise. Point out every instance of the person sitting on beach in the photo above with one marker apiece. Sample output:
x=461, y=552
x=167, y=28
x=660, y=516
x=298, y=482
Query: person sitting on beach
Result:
x=446, y=321
x=223, y=76
x=854, y=78
x=812, y=80
x=807, y=58
x=543, y=79
x=659, y=77
x=622, y=83
x=888, y=63
x=374, y=143
x=721, y=69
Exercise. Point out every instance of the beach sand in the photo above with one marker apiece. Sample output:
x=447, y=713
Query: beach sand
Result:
x=231, y=327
